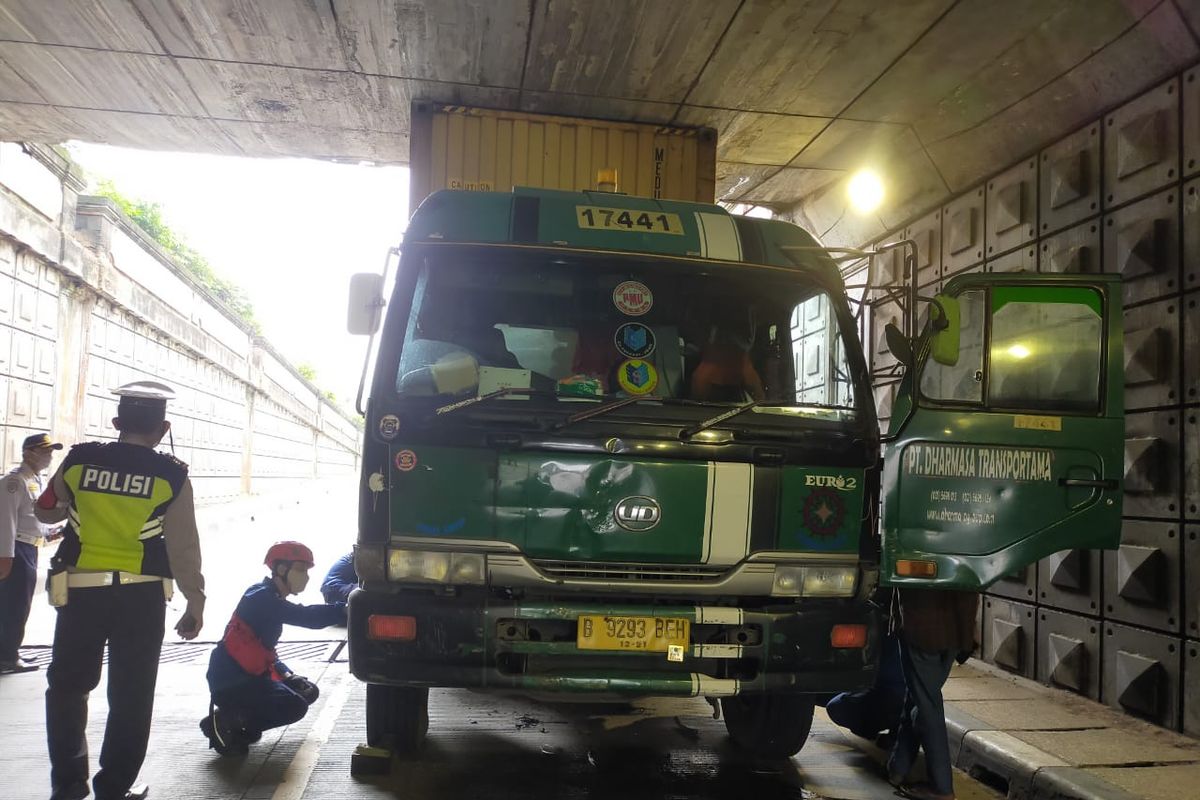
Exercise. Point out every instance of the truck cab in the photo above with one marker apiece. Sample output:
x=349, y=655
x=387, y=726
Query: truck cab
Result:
x=618, y=447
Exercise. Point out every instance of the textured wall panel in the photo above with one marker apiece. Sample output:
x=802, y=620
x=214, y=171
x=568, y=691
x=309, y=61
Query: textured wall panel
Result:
x=1152, y=455
x=1012, y=218
x=1191, y=464
x=882, y=360
x=927, y=233
x=1068, y=652
x=1191, y=691
x=1141, y=578
x=962, y=232
x=1071, y=580
x=1021, y=585
x=1191, y=122
x=1141, y=145
x=1069, y=180
x=1141, y=244
x=1191, y=568
x=1010, y=635
x=1152, y=363
x=1142, y=673
x=1076, y=249
x=1023, y=259
x=1191, y=235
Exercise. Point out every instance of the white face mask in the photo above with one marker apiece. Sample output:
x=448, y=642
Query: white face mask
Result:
x=296, y=579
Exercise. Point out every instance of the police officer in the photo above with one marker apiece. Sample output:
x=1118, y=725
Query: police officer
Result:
x=21, y=535
x=131, y=527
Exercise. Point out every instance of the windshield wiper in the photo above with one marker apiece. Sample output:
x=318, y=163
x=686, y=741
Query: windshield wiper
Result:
x=505, y=392
x=737, y=411
x=621, y=403
x=688, y=433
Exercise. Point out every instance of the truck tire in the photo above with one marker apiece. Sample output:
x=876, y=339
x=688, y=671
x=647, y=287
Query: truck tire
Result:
x=397, y=717
x=772, y=725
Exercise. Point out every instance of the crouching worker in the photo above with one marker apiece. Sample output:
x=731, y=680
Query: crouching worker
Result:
x=252, y=690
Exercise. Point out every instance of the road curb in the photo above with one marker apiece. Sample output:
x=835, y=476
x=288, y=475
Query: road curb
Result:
x=1024, y=772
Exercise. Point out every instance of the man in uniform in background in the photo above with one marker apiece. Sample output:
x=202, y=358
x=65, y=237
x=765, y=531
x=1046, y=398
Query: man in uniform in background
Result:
x=131, y=529
x=21, y=535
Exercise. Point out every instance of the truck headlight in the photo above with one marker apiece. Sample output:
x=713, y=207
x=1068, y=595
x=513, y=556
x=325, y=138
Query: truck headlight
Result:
x=432, y=566
x=814, y=581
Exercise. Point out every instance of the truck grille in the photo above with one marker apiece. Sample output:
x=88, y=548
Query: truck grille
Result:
x=632, y=573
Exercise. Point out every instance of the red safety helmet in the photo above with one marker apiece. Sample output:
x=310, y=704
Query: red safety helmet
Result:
x=288, y=551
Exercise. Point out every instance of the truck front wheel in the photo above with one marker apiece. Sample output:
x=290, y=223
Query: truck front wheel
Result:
x=773, y=725
x=397, y=717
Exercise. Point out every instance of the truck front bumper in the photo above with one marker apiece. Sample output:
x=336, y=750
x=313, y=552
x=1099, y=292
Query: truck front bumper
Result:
x=484, y=642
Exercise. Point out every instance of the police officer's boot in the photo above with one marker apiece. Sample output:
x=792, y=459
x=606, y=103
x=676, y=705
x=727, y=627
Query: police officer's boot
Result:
x=226, y=738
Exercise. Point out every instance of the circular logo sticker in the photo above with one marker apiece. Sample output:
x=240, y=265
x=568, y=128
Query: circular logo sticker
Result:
x=637, y=514
x=637, y=377
x=632, y=298
x=823, y=513
x=389, y=426
x=634, y=340
x=406, y=460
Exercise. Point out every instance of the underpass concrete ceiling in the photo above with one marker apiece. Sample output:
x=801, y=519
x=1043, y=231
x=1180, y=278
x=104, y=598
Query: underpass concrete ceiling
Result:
x=931, y=92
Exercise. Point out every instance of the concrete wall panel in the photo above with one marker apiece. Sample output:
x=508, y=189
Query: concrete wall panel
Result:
x=1141, y=578
x=1191, y=122
x=1153, y=446
x=1191, y=589
x=1021, y=585
x=1152, y=362
x=1068, y=652
x=1010, y=635
x=1142, y=674
x=1012, y=214
x=927, y=233
x=1191, y=235
x=1191, y=688
x=1023, y=259
x=1069, y=180
x=1071, y=580
x=1141, y=145
x=963, y=232
x=1141, y=244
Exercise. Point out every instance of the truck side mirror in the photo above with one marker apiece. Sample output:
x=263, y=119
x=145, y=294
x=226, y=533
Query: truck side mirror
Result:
x=898, y=344
x=945, y=320
x=366, y=303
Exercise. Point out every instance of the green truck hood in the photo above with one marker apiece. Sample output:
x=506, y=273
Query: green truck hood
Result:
x=605, y=508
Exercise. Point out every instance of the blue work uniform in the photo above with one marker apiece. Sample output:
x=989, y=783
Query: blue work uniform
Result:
x=244, y=673
x=340, y=580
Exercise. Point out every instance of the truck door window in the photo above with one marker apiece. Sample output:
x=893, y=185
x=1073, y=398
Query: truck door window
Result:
x=1043, y=352
x=1045, y=355
x=961, y=382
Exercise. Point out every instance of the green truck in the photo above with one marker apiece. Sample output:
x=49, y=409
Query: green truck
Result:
x=619, y=446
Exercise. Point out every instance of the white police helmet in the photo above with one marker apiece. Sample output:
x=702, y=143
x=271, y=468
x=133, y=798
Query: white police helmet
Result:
x=145, y=393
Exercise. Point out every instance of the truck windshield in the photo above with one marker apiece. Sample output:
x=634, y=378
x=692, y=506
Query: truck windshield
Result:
x=569, y=328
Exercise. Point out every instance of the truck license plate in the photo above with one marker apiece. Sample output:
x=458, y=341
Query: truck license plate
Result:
x=643, y=634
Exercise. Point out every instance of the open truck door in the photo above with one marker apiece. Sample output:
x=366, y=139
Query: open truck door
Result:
x=1007, y=437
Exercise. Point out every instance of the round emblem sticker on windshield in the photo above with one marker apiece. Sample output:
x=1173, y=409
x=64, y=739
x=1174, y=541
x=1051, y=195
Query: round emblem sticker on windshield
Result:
x=634, y=340
x=406, y=460
x=633, y=299
x=637, y=377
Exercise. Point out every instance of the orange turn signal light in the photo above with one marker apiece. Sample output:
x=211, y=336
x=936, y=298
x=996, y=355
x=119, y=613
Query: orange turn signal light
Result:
x=916, y=569
x=391, y=629
x=848, y=636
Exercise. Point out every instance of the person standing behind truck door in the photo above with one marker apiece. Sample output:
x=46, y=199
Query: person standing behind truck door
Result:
x=131, y=528
x=21, y=535
x=937, y=628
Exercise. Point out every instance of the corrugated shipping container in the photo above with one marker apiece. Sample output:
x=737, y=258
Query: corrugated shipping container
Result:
x=461, y=147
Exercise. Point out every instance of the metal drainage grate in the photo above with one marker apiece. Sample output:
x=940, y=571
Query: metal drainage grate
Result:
x=197, y=653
